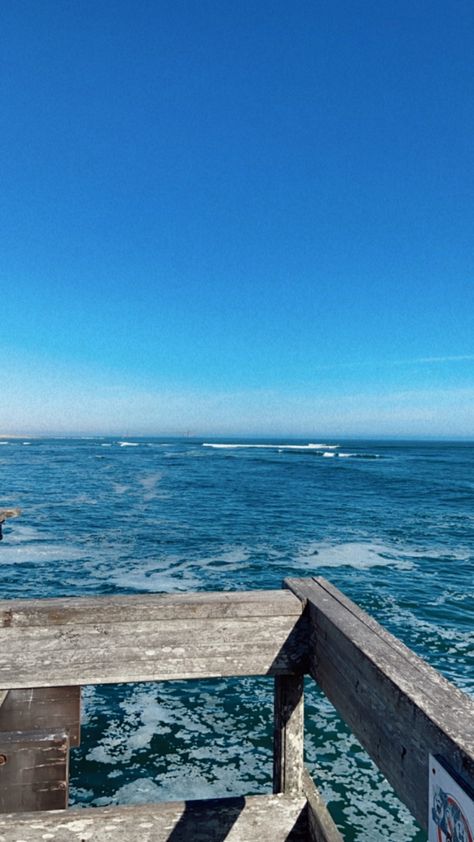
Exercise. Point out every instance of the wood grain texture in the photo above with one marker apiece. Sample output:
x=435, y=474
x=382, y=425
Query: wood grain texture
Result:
x=288, y=740
x=321, y=827
x=44, y=708
x=110, y=640
x=34, y=771
x=15, y=613
x=399, y=708
x=275, y=818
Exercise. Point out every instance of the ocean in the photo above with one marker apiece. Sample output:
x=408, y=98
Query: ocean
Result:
x=389, y=523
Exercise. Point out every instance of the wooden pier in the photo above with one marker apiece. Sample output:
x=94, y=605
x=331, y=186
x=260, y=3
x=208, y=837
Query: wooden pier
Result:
x=398, y=707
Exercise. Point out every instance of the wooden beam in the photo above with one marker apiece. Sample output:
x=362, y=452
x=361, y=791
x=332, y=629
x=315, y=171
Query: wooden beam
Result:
x=66, y=611
x=398, y=707
x=288, y=734
x=321, y=826
x=43, y=709
x=275, y=818
x=103, y=640
x=33, y=771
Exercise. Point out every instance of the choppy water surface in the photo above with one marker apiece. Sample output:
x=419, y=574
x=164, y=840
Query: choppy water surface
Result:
x=391, y=524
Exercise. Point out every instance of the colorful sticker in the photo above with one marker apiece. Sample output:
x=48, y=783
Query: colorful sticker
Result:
x=451, y=810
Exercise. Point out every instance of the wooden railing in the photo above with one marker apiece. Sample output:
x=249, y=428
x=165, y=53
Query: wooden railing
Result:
x=399, y=708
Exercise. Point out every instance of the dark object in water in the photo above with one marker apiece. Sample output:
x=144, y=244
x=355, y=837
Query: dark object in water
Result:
x=4, y=515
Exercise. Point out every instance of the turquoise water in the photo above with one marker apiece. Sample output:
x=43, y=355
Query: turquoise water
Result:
x=391, y=524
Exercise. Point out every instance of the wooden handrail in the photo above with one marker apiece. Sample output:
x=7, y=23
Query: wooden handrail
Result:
x=400, y=709
x=107, y=640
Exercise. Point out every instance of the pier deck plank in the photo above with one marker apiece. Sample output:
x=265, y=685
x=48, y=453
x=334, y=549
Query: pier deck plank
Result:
x=275, y=818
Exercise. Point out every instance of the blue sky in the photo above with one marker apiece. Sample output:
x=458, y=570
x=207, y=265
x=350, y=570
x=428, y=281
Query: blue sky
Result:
x=237, y=217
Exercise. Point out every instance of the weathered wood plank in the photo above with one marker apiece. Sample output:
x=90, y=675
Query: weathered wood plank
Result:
x=442, y=690
x=110, y=653
x=398, y=707
x=160, y=632
x=74, y=611
x=33, y=771
x=116, y=639
x=288, y=736
x=275, y=818
x=446, y=704
x=321, y=827
x=53, y=709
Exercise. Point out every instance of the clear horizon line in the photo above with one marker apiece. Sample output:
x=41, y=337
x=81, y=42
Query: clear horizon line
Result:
x=233, y=436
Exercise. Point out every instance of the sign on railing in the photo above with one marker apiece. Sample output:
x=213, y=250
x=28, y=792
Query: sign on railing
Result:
x=451, y=807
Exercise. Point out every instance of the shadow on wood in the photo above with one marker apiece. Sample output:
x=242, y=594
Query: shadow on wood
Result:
x=272, y=818
x=223, y=815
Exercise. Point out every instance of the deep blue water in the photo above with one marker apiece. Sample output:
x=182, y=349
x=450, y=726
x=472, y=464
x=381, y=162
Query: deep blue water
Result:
x=391, y=524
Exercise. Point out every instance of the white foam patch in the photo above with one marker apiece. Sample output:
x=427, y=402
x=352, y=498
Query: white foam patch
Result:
x=83, y=500
x=233, y=559
x=365, y=554
x=462, y=641
x=128, y=444
x=210, y=754
x=21, y=534
x=120, y=488
x=348, y=777
x=39, y=553
x=174, y=573
x=144, y=716
x=361, y=555
x=149, y=483
x=139, y=791
x=25, y=544
x=450, y=596
x=165, y=576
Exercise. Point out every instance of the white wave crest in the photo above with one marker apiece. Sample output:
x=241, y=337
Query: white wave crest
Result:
x=127, y=444
x=273, y=446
